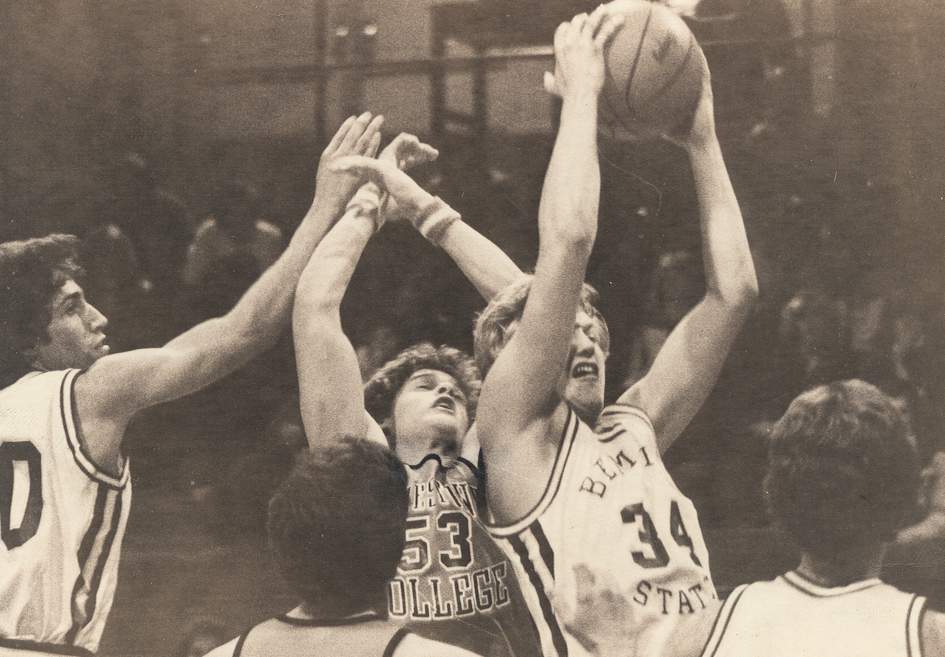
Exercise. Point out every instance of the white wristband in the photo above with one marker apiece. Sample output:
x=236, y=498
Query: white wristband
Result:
x=433, y=220
x=367, y=201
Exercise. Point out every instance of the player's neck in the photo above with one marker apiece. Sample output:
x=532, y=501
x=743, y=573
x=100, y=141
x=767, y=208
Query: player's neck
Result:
x=847, y=568
x=446, y=447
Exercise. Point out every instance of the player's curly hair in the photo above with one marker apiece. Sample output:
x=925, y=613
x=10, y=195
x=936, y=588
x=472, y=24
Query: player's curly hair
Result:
x=491, y=332
x=31, y=271
x=381, y=389
x=336, y=525
x=842, y=470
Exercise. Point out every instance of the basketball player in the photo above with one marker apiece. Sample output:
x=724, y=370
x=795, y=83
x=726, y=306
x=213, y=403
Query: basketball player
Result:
x=453, y=583
x=567, y=482
x=336, y=526
x=64, y=490
x=842, y=480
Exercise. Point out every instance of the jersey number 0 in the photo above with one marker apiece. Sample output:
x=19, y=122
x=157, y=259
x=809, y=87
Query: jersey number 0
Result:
x=21, y=492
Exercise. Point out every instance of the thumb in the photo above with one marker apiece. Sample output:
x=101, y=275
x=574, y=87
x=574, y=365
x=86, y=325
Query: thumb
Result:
x=550, y=84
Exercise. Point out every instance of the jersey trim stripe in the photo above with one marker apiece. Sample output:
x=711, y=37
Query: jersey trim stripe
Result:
x=721, y=622
x=52, y=648
x=395, y=640
x=547, y=611
x=806, y=586
x=97, y=552
x=568, y=434
x=85, y=549
x=79, y=453
x=913, y=625
x=623, y=409
x=238, y=648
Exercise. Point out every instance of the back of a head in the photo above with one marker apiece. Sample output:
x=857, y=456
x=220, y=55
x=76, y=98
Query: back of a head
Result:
x=491, y=332
x=336, y=525
x=842, y=469
x=31, y=270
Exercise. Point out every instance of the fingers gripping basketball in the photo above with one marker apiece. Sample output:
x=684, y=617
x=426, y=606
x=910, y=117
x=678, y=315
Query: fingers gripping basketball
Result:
x=655, y=72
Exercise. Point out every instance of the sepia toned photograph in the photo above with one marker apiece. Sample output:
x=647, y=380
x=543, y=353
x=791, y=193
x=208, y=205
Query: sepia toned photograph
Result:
x=472, y=328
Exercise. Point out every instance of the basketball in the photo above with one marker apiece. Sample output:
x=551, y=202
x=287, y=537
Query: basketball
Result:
x=654, y=73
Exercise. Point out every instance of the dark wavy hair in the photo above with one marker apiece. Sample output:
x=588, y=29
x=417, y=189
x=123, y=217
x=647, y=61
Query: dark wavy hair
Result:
x=31, y=272
x=336, y=525
x=842, y=469
x=381, y=389
x=491, y=332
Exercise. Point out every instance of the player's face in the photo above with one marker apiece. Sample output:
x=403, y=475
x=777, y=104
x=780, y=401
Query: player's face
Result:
x=582, y=383
x=430, y=416
x=76, y=332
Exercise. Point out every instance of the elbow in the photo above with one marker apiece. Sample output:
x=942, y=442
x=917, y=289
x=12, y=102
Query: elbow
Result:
x=575, y=236
x=741, y=296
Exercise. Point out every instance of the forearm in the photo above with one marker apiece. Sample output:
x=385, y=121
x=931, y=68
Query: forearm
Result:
x=729, y=270
x=483, y=263
x=571, y=190
x=325, y=279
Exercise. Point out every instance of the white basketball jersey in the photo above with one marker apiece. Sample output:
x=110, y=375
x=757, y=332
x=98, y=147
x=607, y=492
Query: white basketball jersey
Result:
x=611, y=505
x=62, y=522
x=793, y=617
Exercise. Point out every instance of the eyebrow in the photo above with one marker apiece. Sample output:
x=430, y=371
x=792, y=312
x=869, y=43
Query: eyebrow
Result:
x=69, y=298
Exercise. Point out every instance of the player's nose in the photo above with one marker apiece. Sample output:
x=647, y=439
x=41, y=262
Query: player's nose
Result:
x=97, y=321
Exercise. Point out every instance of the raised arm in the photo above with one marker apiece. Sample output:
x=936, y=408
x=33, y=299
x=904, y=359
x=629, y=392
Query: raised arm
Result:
x=530, y=365
x=484, y=264
x=330, y=394
x=118, y=386
x=330, y=387
x=686, y=368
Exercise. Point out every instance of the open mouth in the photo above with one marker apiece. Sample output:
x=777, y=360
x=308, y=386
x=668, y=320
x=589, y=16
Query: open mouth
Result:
x=445, y=404
x=582, y=370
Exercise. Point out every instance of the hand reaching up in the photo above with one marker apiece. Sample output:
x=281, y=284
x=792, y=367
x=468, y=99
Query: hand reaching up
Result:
x=357, y=136
x=407, y=151
x=579, y=53
x=428, y=214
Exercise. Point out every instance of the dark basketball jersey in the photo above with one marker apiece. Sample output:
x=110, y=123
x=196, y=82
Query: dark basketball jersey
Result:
x=454, y=584
x=363, y=636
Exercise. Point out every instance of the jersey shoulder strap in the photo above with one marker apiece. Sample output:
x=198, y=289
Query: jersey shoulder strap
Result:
x=395, y=640
x=722, y=621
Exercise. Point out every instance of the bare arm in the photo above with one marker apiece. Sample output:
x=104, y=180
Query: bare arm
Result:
x=118, y=386
x=483, y=263
x=330, y=393
x=330, y=388
x=686, y=368
x=532, y=361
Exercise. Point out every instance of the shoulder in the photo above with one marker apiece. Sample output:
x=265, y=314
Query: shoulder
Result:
x=932, y=633
x=412, y=645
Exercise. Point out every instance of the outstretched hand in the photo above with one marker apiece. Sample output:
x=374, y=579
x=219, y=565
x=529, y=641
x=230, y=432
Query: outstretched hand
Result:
x=357, y=136
x=410, y=197
x=579, y=53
